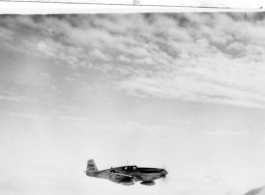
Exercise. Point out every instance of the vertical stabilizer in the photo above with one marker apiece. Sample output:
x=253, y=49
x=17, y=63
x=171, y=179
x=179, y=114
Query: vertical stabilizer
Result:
x=91, y=166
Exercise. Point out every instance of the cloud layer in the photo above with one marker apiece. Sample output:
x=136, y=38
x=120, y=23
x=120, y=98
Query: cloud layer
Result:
x=200, y=57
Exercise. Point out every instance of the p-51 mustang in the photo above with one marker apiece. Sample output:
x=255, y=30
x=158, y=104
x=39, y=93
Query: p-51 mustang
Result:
x=126, y=175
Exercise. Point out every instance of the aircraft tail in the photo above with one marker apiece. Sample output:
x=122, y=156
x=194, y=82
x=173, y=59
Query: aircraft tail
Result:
x=91, y=166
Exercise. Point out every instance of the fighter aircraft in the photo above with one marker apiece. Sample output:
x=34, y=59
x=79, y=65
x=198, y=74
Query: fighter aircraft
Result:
x=126, y=175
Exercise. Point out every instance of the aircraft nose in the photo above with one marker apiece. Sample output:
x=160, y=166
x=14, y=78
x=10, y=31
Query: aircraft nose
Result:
x=164, y=172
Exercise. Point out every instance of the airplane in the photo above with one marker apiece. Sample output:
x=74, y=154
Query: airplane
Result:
x=126, y=175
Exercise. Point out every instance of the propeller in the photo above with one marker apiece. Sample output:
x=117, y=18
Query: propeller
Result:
x=164, y=172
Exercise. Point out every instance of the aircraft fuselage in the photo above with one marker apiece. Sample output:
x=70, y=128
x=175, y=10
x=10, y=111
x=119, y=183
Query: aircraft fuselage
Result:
x=126, y=175
x=142, y=174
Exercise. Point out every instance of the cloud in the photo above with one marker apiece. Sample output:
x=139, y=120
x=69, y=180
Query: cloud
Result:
x=199, y=57
x=5, y=34
x=226, y=133
x=147, y=60
x=9, y=98
x=74, y=119
x=76, y=122
x=46, y=75
x=6, y=95
x=30, y=116
x=124, y=59
x=99, y=54
x=69, y=79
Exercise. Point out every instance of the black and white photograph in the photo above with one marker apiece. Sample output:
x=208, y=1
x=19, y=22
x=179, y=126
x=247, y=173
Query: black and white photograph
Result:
x=132, y=103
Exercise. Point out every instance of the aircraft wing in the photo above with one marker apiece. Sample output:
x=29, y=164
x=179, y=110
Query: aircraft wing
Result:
x=121, y=178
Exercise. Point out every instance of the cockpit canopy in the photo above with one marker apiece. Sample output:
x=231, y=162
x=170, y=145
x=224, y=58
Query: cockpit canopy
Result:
x=127, y=168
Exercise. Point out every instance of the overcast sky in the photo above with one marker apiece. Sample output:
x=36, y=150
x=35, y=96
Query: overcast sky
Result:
x=181, y=91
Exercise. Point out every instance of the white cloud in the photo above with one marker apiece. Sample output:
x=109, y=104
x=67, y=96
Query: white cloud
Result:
x=226, y=133
x=5, y=34
x=60, y=53
x=147, y=60
x=123, y=58
x=45, y=48
x=192, y=57
x=99, y=54
x=13, y=97
x=30, y=116
x=74, y=119
x=69, y=79
x=46, y=75
x=9, y=98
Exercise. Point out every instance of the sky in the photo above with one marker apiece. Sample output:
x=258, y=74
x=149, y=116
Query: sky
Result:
x=180, y=91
